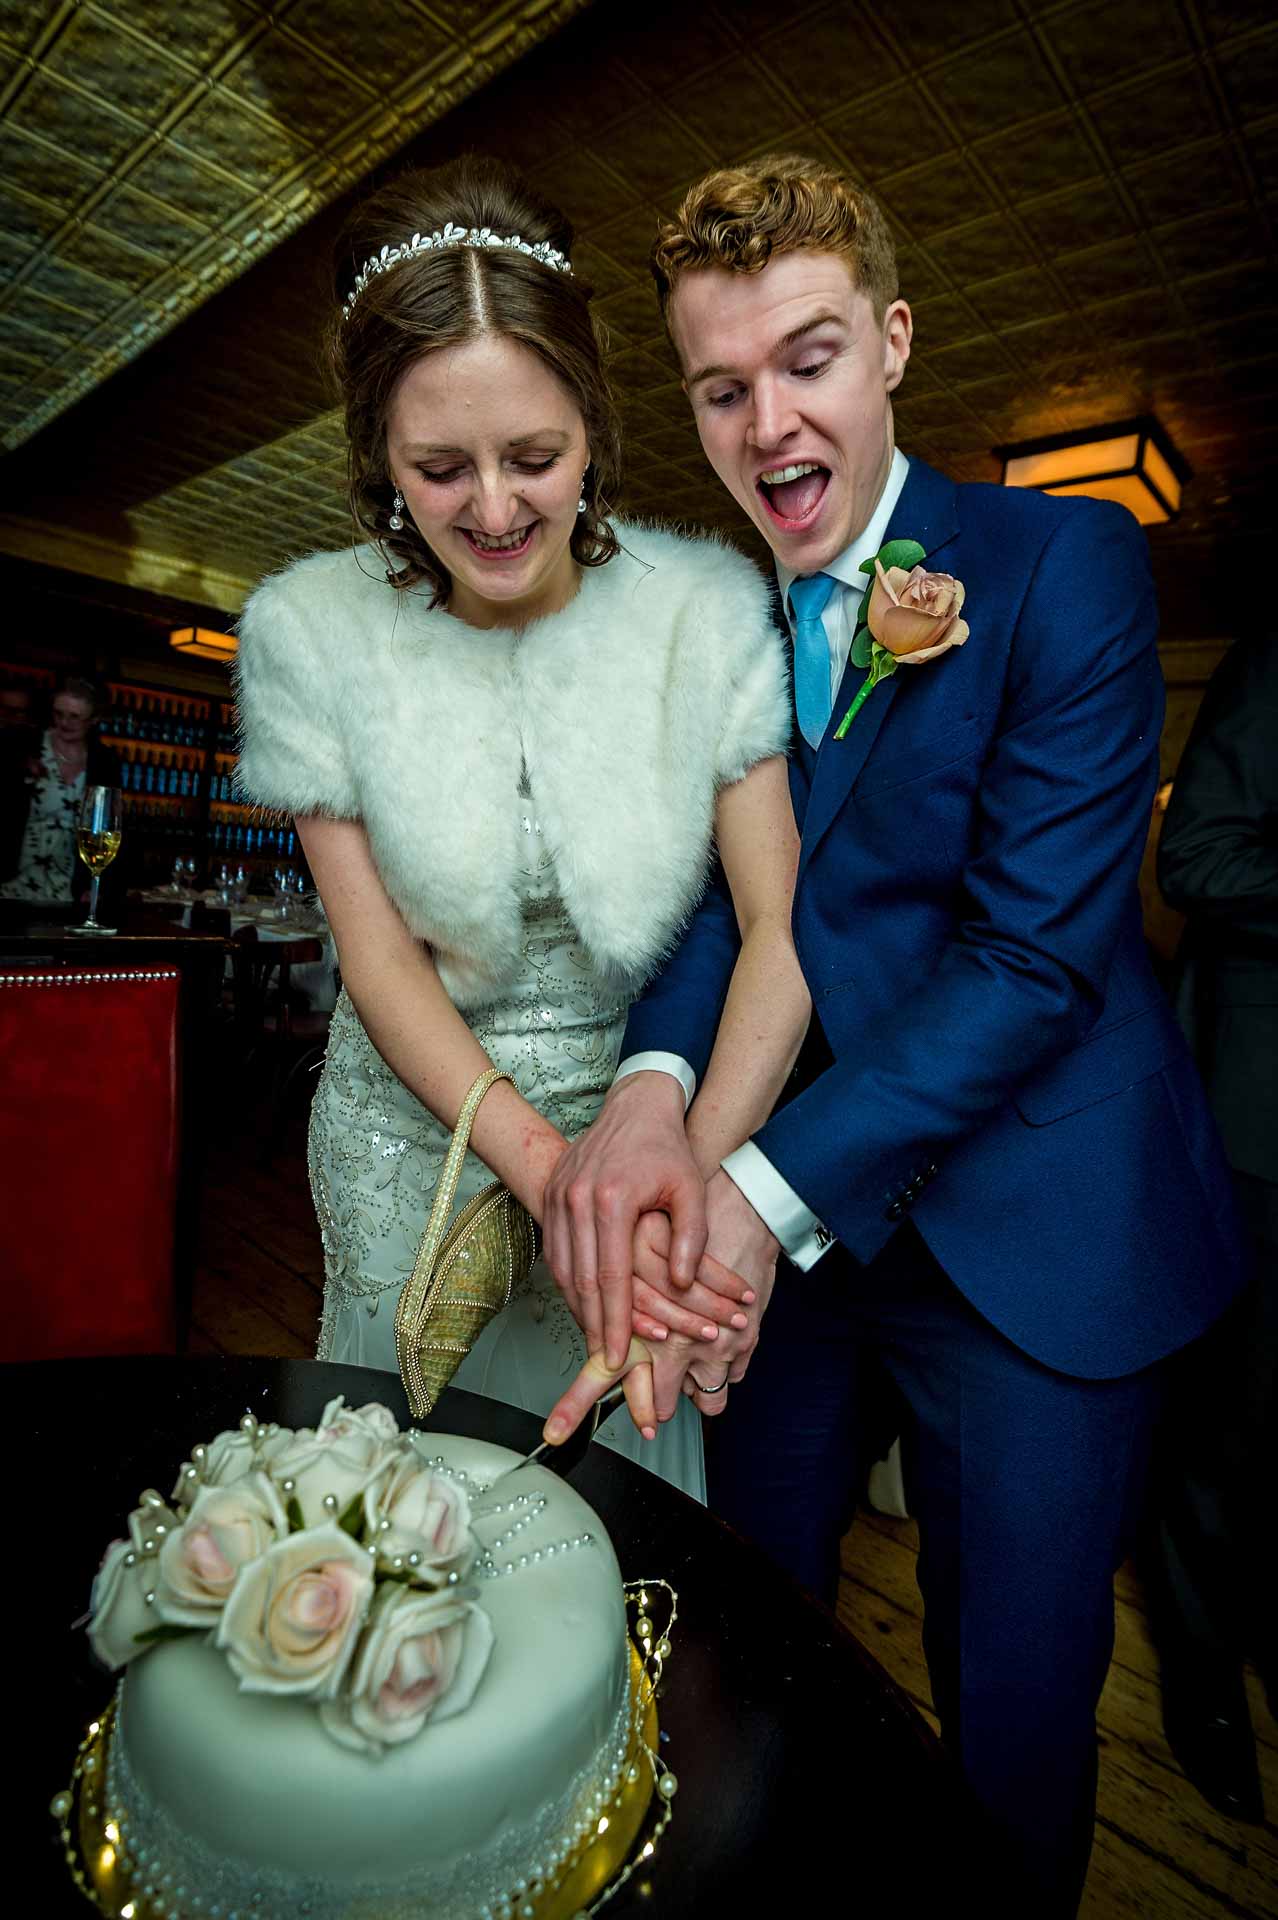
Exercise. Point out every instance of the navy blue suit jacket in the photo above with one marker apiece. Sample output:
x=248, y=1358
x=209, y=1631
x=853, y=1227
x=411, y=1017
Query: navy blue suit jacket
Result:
x=1005, y=1068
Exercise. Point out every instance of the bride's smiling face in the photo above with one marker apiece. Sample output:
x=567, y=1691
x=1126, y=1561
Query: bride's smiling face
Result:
x=488, y=448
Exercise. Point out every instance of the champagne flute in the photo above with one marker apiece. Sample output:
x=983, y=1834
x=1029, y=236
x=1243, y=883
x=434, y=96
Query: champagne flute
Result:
x=97, y=840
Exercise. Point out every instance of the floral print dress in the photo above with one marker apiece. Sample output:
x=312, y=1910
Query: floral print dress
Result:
x=46, y=865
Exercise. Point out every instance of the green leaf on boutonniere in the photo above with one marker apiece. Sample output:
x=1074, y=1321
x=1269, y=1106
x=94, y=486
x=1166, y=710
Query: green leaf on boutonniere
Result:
x=167, y=1630
x=296, y=1518
x=861, y=645
x=900, y=553
x=352, y=1521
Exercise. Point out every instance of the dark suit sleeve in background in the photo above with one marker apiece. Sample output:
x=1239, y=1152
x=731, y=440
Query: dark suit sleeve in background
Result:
x=1218, y=856
x=1218, y=863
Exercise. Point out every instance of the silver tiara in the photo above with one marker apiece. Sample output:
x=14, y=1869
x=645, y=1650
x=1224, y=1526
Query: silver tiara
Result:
x=451, y=236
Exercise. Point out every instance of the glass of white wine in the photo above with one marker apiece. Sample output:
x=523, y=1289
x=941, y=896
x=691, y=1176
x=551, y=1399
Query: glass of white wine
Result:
x=97, y=840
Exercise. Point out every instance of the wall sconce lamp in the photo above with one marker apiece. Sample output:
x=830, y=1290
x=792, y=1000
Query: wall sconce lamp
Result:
x=203, y=642
x=1133, y=463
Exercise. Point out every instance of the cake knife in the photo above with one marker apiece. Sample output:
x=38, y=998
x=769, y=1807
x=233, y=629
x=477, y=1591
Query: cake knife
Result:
x=569, y=1454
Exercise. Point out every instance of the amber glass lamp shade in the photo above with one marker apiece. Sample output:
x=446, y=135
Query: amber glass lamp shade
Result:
x=204, y=643
x=1133, y=463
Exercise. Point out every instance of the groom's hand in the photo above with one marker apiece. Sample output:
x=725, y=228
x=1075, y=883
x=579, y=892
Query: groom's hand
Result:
x=738, y=1240
x=739, y=1245
x=633, y=1160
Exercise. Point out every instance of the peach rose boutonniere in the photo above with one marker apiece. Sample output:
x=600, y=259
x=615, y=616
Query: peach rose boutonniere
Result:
x=908, y=616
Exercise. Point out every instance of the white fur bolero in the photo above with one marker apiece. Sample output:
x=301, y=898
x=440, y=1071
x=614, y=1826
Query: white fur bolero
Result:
x=662, y=681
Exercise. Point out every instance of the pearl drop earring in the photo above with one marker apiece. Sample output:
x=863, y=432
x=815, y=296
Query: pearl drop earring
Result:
x=396, y=521
x=583, y=503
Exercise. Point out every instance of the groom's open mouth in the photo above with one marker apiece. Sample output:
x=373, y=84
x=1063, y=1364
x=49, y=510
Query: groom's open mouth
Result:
x=499, y=547
x=793, y=494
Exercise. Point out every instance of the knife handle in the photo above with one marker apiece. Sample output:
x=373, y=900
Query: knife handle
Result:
x=570, y=1453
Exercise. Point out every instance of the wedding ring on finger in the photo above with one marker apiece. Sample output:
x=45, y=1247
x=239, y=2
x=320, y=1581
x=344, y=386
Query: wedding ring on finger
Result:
x=702, y=1388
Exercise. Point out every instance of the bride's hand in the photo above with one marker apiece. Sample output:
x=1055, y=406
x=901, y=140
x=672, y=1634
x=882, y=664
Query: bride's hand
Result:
x=654, y=1386
x=594, y=1381
x=698, y=1311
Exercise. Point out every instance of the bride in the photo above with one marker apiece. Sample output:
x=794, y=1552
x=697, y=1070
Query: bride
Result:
x=514, y=734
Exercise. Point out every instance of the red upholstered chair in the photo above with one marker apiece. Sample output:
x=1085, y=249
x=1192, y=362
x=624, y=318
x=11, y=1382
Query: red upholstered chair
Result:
x=89, y=1153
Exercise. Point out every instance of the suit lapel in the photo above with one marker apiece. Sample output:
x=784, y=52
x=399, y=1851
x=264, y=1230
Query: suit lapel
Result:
x=927, y=512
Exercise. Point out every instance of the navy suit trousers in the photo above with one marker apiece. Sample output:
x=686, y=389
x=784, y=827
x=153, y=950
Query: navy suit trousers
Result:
x=1026, y=1485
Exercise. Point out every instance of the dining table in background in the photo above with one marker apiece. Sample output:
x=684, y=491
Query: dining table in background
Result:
x=314, y=980
x=808, y=1783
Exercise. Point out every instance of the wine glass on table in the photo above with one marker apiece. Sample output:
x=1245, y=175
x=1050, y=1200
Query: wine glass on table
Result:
x=97, y=841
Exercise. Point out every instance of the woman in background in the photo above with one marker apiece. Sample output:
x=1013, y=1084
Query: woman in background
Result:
x=69, y=758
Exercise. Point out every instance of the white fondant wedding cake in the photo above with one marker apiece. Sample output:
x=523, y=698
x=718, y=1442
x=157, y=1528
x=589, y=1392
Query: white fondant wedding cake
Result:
x=360, y=1684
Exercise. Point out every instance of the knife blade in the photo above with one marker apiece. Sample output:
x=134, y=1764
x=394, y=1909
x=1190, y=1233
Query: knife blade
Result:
x=569, y=1454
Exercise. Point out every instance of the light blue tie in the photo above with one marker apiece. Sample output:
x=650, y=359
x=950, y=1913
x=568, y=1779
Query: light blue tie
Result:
x=808, y=597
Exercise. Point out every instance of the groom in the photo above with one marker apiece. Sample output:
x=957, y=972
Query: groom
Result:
x=996, y=1174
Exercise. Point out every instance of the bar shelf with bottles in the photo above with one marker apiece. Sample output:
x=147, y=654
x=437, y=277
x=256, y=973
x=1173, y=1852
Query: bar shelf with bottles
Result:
x=252, y=833
x=177, y=759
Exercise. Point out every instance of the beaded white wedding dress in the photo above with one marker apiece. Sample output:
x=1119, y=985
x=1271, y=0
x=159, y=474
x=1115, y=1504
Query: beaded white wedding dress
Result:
x=376, y=1154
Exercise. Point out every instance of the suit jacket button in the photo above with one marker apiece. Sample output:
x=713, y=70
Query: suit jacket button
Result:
x=895, y=1212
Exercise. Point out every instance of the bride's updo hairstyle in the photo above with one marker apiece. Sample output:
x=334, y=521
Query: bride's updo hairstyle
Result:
x=447, y=295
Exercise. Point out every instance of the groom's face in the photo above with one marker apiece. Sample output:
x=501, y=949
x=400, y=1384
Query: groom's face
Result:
x=789, y=374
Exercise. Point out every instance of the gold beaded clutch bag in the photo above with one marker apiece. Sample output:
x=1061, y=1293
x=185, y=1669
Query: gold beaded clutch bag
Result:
x=461, y=1278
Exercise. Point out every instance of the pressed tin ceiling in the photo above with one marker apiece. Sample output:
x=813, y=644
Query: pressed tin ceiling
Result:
x=1083, y=194
x=151, y=150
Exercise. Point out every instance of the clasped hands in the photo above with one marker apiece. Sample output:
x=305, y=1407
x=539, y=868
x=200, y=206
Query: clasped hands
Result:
x=667, y=1274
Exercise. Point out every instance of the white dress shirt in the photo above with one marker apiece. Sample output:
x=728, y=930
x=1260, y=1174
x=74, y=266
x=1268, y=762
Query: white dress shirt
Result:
x=803, y=1237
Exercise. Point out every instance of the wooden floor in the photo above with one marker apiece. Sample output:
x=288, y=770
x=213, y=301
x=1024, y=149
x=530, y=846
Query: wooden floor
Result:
x=1161, y=1852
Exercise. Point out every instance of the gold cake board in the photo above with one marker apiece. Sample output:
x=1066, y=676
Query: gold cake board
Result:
x=602, y=1866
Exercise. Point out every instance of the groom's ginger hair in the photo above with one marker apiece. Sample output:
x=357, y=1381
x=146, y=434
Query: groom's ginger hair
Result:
x=740, y=217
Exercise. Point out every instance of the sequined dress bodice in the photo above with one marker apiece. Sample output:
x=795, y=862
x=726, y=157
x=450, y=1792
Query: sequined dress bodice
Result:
x=376, y=1154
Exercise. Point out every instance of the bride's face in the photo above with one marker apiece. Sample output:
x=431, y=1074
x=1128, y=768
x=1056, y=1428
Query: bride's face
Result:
x=489, y=449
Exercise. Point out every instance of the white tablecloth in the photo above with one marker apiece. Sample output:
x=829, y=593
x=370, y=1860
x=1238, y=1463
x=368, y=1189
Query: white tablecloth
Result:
x=316, y=980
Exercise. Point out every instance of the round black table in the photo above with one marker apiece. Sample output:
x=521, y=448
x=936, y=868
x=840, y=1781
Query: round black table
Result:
x=805, y=1776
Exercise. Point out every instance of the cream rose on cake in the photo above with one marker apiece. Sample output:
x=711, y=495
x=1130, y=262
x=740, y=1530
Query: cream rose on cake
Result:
x=421, y=1657
x=294, y=1614
x=200, y=1560
x=420, y=1522
x=228, y=1457
x=118, y=1606
x=325, y=1471
x=150, y=1522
